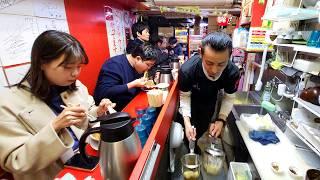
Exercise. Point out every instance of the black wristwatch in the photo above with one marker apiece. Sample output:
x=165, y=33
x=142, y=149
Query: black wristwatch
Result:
x=223, y=121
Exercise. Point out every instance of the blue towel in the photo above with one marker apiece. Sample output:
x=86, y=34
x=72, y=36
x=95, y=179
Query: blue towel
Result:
x=264, y=137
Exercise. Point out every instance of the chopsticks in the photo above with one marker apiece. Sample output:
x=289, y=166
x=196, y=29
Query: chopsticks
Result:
x=110, y=109
x=89, y=115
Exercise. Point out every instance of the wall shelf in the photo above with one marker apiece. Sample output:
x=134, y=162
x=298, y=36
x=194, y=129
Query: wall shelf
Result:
x=309, y=106
x=300, y=48
x=302, y=138
x=279, y=13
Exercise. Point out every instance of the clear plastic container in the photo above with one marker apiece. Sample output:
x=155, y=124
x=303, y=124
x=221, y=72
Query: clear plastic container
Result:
x=239, y=171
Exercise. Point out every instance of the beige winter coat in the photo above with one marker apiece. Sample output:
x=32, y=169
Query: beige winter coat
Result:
x=29, y=146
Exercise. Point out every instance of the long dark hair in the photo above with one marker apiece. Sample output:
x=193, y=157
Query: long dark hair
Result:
x=49, y=46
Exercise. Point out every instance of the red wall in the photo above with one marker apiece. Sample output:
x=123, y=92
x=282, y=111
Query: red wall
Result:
x=257, y=13
x=87, y=23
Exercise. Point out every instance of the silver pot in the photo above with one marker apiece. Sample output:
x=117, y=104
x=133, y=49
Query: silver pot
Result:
x=165, y=75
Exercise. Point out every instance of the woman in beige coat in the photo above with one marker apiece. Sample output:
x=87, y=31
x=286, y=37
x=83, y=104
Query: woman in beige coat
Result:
x=35, y=131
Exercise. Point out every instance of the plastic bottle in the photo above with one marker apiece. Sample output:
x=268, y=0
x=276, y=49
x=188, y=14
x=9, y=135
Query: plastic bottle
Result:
x=266, y=95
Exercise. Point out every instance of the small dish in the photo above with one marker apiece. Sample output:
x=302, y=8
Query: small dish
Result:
x=94, y=144
x=294, y=172
x=95, y=136
x=162, y=86
x=276, y=168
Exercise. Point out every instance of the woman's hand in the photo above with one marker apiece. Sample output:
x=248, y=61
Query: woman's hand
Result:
x=74, y=115
x=103, y=106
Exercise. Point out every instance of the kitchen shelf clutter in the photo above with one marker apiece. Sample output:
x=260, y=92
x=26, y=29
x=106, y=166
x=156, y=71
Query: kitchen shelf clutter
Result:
x=300, y=48
x=302, y=130
x=280, y=13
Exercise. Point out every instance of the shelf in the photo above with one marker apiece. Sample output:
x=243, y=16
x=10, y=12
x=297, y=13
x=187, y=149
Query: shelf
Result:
x=307, y=49
x=253, y=50
x=309, y=106
x=280, y=13
x=287, y=64
x=300, y=48
x=302, y=138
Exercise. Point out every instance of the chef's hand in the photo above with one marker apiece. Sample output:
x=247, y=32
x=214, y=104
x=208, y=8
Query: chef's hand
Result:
x=103, y=106
x=137, y=83
x=189, y=130
x=73, y=115
x=215, y=128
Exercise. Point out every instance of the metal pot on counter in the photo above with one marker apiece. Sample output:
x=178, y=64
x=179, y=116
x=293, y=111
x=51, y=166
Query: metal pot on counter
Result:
x=119, y=148
x=165, y=75
x=174, y=62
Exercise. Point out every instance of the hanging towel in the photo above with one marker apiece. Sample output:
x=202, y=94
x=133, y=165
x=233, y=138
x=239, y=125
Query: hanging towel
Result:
x=264, y=137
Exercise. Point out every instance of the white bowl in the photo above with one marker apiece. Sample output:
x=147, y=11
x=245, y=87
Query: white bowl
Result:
x=176, y=135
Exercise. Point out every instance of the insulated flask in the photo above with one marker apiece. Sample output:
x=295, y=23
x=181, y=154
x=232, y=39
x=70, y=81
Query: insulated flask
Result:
x=119, y=147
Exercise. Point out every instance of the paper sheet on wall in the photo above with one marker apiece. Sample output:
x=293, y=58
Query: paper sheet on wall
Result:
x=50, y=9
x=17, y=34
x=41, y=8
x=17, y=7
x=52, y=24
x=22, y=21
x=115, y=30
x=16, y=73
x=3, y=81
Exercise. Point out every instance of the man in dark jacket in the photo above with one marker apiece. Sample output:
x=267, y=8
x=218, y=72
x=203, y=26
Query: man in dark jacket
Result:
x=140, y=33
x=174, y=47
x=120, y=77
x=200, y=80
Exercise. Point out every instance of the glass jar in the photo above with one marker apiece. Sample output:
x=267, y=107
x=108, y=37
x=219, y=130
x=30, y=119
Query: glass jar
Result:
x=213, y=160
x=191, y=166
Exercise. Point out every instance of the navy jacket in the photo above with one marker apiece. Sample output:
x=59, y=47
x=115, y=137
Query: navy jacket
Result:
x=112, y=82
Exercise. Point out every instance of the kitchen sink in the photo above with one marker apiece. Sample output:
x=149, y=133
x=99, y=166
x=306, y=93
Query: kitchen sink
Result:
x=237, y=110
